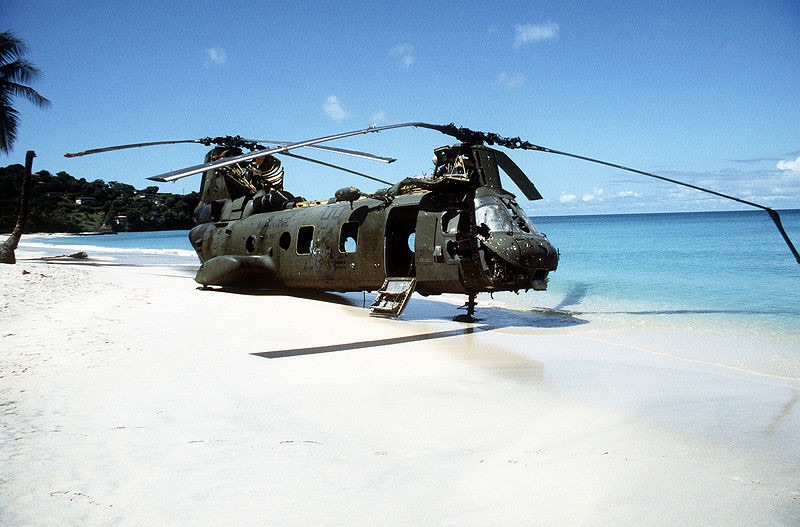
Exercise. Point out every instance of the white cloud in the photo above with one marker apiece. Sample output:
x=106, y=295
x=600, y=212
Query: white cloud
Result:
x=510, y=81
x=216, y=56
x=792, y=166
x=772, y=187
x=334, y=109
x=404, y=53
x=595, y=195
x=525, y=33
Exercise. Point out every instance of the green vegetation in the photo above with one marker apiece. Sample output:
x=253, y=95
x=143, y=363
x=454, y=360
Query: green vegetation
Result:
x=61, y=203
x=15, y=72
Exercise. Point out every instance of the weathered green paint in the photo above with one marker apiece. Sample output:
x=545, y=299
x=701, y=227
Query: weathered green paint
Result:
x=422, y=228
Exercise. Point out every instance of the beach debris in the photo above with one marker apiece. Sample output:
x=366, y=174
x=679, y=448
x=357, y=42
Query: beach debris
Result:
x=26, y=272
x=80, y=255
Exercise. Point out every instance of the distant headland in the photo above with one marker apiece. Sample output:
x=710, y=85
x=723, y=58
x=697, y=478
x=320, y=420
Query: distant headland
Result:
x=61, y=203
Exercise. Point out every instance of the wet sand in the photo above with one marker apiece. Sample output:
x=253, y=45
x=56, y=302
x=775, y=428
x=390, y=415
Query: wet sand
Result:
x=130, y=397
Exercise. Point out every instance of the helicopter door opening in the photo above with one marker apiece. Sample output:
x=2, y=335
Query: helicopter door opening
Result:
x=401, y=228
x=348, y=237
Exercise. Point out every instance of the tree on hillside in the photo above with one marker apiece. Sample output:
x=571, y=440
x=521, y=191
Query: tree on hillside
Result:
x=15, y=73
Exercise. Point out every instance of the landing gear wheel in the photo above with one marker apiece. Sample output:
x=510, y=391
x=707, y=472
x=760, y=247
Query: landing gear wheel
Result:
x=469, y=316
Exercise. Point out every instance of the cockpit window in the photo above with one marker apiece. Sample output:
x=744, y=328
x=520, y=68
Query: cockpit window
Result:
x=492, y=214
x=520, y=218
x=502, y=215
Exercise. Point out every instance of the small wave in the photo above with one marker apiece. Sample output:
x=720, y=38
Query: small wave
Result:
x=107, y=250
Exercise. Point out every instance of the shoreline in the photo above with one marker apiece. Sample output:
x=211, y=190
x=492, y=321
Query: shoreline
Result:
x=737, y=332
x=130, y=398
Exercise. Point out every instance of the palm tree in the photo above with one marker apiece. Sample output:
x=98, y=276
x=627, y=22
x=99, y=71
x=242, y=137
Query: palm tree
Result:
x=15, y=72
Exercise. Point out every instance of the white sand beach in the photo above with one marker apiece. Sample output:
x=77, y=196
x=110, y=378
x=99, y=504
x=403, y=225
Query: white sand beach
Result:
x=130, y=397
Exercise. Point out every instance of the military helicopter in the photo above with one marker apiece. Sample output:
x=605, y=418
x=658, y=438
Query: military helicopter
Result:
x=454, y=231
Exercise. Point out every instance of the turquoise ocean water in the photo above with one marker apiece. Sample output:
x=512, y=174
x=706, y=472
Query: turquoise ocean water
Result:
x=714, y=263
x=730, y=271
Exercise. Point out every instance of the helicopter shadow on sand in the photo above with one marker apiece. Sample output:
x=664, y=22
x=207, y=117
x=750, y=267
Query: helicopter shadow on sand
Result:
x=419, y=310
x=495, y=317
x=319, y=296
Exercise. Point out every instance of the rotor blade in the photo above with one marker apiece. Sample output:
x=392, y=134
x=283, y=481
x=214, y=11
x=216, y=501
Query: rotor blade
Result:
x=354, y=153
x=516, y=174
x=196, y=169
x=337, y=167
x=207, y=141
x=776, y=219
x=133, y=145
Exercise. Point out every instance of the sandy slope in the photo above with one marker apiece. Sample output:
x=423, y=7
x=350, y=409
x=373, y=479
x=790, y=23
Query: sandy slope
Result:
x=130, y=397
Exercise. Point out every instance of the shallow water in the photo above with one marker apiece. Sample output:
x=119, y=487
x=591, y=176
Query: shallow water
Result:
x=724, y=264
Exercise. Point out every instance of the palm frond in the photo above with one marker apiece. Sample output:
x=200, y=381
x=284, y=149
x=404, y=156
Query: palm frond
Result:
x=15, y=73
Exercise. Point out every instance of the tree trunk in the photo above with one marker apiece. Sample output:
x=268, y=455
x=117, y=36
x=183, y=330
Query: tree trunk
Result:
x=8, y=247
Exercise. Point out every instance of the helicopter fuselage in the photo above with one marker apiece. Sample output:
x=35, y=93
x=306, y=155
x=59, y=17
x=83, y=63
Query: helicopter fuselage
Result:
x=468, y=240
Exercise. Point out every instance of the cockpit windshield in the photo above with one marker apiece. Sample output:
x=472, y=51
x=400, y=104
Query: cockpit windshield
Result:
x=502, y=215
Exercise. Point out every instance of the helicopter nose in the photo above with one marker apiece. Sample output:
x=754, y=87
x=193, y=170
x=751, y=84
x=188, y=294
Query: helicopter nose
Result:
x=537, y=252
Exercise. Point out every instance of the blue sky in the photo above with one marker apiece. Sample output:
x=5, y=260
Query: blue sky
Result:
x=706, y=92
